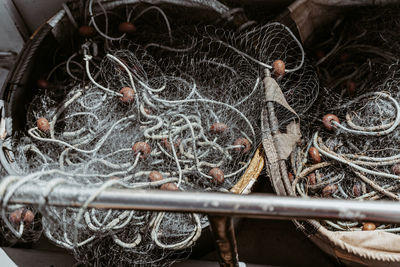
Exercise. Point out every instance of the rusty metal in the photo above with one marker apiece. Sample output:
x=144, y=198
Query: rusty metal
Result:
x=225, y=241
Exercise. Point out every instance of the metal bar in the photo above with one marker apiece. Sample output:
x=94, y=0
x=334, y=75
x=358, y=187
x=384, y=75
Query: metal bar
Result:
x=225, y=241
x=259, y=206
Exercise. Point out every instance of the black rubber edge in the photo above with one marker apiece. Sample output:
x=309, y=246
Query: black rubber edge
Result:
x=16, y=80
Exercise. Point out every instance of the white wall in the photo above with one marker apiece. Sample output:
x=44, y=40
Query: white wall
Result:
x=11, y=34
x=37, y=12
x=20, y=18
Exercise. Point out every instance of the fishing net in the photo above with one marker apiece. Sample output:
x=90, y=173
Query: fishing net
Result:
x=349, y=149
x=162, y=103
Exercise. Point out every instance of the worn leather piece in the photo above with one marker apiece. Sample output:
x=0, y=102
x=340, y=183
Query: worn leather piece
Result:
x=310, y=15
x=277, y=145
x=273, y=165
x=284, y=142
x=273, y=93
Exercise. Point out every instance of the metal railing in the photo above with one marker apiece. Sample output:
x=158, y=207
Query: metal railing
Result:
x=220, y=207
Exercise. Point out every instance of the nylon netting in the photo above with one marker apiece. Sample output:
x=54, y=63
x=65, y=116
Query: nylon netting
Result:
x=350, y=149
x=171, y=106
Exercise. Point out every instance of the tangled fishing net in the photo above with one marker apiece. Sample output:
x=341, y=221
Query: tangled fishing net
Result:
x=163, y=104
x=350, y=148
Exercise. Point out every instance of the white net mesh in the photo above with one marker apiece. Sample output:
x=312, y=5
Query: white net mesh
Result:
x=172, y=106
x=354, y=125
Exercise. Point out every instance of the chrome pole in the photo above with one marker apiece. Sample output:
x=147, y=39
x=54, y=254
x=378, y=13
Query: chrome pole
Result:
x=255, y=205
